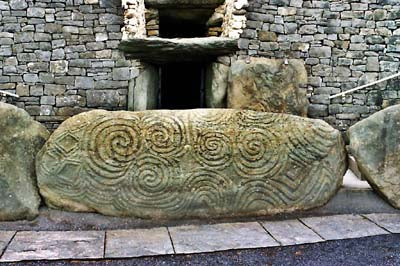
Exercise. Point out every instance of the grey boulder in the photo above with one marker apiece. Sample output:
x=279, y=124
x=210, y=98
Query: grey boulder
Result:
x=20, y=140
x=375, y=144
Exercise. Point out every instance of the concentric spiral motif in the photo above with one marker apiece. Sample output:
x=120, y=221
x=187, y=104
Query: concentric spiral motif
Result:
x=211, y=117
x=259, y=120
x=207, y=189
x=112, y=145
x=257, y=157
x=165, y=135
x=213, y=149
x=150, y=185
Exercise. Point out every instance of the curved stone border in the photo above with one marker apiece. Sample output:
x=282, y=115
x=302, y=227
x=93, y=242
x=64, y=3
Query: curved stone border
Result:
x=194, y=238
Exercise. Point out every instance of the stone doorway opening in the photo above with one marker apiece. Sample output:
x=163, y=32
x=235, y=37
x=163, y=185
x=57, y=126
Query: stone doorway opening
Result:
x=182, y=86
x=184, y=23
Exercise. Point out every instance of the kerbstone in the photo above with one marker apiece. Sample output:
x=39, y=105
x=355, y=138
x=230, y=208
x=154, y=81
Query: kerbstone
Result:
x=5, y=238
x=389, y=221
x=343, y=227
x=291, y=232
x=20, y=140
x=138, y=243
x=55, y=246
x=209, y=238
x=375, y=144
x=190, y=163
x=268, y=85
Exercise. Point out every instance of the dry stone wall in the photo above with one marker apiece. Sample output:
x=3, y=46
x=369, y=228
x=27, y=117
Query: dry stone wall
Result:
x=344, y=44
x=61, y=57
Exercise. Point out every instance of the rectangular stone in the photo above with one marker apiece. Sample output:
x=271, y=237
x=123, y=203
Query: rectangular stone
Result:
x=343, y=227
x=5, y=238
x=55, y=245
x=389, y=221
x=138, y=243
x=291, y=232
x=209, y=238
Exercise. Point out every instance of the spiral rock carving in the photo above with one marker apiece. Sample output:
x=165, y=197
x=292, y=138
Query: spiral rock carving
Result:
x=194, y=163
x=165, y=135
x=112, y=145
x=213, y=149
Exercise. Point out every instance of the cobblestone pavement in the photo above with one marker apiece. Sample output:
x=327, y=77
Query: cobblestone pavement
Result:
x=190, y=239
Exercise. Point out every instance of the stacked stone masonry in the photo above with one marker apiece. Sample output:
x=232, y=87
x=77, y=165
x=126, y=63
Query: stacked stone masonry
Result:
x=343, y=43
x=62, y=58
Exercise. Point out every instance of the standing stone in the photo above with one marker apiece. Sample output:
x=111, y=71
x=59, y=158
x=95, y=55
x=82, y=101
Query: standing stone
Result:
x=20, y=140
x=216, y=85
x=268, y=85
x=190, y=163
x=375, y=144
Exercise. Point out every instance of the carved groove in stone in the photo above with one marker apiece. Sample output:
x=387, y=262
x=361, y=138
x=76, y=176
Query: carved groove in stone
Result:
x=192, y=163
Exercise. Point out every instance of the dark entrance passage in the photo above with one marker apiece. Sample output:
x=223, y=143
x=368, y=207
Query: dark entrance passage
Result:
x=182, y=86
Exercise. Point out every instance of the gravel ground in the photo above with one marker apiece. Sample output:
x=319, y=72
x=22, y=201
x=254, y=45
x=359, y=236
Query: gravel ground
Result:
x=377, y=250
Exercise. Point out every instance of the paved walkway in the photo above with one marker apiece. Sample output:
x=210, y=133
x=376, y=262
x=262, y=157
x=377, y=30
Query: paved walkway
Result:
x=190, y=239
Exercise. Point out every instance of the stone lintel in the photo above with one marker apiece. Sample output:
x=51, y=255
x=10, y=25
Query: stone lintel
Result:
x=163, y=50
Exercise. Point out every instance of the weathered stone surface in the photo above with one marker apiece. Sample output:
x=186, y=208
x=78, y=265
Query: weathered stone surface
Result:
x=216, y=85
x=161, y=50
x=291, y=232
x=138, y=243
x=20, y=140
x=216, y=237
x=375, y=144
x=55, y=246
x=144, y=95
x=268, y=85
x=343, y=227
x=190, y=163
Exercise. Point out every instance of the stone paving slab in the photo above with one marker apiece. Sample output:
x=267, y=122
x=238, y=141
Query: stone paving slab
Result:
x=55, y=245
x=389, y=221
x=291, y=232
x=5, y=238
x=137, y=243
x=343, y=227
x=217, y=237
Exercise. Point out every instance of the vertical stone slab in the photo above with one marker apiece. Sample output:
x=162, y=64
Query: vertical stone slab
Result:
x=270, y=85
x=216, y=85
x=146, y=89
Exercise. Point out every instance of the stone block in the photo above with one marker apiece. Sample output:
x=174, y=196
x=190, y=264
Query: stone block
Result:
x=374, y=143
x=18, y=4
x=59, y=67
x=20, y=141
x=268, y=85
x=190, y=163
x=216, y=85
x=36, y=12
x=121, y=73
x=102, y=98
x=84, y=83
x=320, y=52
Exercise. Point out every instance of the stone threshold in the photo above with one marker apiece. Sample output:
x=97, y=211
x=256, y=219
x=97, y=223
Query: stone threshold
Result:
x=163, y=50
x=190, y=239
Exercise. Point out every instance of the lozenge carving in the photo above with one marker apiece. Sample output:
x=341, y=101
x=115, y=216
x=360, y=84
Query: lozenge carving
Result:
x=193, y=163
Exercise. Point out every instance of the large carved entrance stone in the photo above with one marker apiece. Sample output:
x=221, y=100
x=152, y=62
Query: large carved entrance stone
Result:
x=196, y=163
